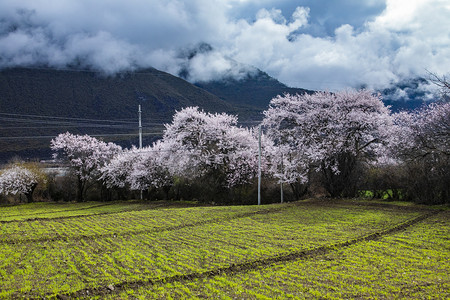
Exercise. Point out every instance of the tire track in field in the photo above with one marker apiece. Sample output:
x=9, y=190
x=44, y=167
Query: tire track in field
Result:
x=246, y=265
x=57, y=237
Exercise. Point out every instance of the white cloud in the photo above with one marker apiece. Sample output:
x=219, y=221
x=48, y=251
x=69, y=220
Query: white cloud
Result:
x=102, y=50
x=385, y=50
x=214, y=66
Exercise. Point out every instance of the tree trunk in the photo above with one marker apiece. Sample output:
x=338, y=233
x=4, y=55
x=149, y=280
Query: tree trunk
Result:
x=166, y=190
x=80, y=189
x=29, y=194
x=105, y=193
x=299, y=190
x=340, y=184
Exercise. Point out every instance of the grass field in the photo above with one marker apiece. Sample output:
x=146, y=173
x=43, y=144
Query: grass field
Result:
x=310, y=249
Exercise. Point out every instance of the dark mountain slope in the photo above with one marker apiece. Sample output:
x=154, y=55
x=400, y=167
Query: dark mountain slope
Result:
x=85, y=94
x=63, y=94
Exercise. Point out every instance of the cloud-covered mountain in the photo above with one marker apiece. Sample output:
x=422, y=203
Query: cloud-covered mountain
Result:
x=254, y=90
x=241, y=85
x=410, y=94
x=319, y=45
x=246, y=86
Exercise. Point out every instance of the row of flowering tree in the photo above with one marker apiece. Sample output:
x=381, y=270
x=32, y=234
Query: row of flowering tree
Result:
x=196, y=146
x=325, y=139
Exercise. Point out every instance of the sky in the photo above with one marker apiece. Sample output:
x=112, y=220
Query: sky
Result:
x=313, y=44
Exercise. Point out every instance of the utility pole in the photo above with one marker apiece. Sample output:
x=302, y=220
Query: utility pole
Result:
x=140, y=136
x=282, y=172
x=140, y=128
x=259, y=166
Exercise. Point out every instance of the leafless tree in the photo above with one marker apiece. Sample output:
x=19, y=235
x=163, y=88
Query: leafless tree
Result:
x=442, y=82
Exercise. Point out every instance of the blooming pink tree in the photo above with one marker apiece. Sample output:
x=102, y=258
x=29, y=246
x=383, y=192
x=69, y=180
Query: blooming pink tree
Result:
x=424, y=132
x=86, y=156
x=239, y=155
x=422, y=142
x=326, y=132
x=140, y=169
x=17, y=179
x=154, y=168
x=117, y=171
x=212, y=146
x=195, y=145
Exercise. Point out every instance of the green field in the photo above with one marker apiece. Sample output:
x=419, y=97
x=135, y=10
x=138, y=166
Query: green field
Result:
x=311, y=249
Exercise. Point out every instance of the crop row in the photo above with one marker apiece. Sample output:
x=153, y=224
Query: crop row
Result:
x=33, y=210
x=134, y=222
x=45, y=211
x=410, y=264
x=65, y=266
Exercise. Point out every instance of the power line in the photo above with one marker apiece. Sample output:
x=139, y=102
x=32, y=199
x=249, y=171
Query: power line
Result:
x=17, y=121
x=65, y=122
x=23, y=118
x=66, y=118
x=127, y=120
x=67, y=126
x=93, y=135
x=10, y=127
x=61, y=122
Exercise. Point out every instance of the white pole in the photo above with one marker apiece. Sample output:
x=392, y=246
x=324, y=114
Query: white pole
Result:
x=140, y=137
x=281, y=192
x=282, y=172
x=259, y=166
x=140, y=128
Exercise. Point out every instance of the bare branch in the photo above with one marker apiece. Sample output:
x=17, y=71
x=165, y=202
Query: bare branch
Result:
x=442, y=82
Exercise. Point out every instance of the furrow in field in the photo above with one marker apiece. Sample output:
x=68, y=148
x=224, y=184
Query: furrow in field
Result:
x=409, y=264
x=50, y=215
x=244, y=266
x=110, y=231
x=54, y=211
x=140, y=221
x=59, y=218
